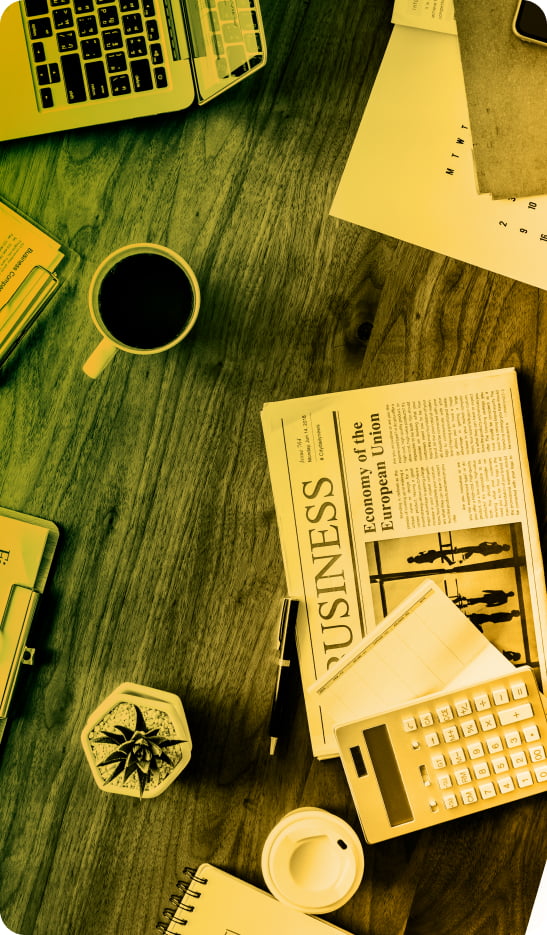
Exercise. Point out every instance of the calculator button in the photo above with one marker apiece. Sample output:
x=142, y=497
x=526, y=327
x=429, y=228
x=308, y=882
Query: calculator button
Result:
x=469, y=796
x=432, y=739
x=487, y=790
x=482, y=702
x=488, y=722
x=450, y=800
x=531, y=732
x=475, y=750
x=463, y=707
x=438, y=761
x=494, y=744
x=537, y=753
x=506, y=784
x=444, y=781
x=450, y=734
x=481, y=770
x=426, y=719
x=519, y=758
x=409, y=724
x=518, y=713
x=524, y=779
x=500, y=764
x=513, y=739
x=519, y=690
x=462, y=776
x=541, y=773
x=469, y=728
x=500, y=696
x=444, y=713
x=456, y=755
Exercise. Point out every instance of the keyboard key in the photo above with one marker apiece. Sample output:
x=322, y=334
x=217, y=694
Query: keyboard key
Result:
x=112, y=39
x=47, y=97
x=160, y=77
x=91, y=48
x=73, y=78
x=87, y=26
x=67, y=41
x=152, y=30
x=469, y=796
x=120, y=84
x=132, y=23
x=519, y=713
x=531, y=732
x=62, y=18
x=108, y=16
x=156, y=54
x=54, y=73
x=42, y=74
x=40, y=28
x=506, y=784
x=519, y=690
x=36, y=7
x=142, y=75
x=537, y=753
x=96, y=79
x=524, y=779
x=136, y=46
x=513, y=738
x=469, y=728
x=463, y=707
x=38, y=52
x=494, y=744
x=500, y=696
x=148, y=8
x=83, y=6
x=116, y=61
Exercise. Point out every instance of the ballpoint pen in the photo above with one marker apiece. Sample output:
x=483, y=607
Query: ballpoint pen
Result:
x=285, y=671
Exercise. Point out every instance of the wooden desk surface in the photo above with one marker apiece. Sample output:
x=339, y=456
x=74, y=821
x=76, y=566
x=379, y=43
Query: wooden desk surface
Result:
x=169, y=569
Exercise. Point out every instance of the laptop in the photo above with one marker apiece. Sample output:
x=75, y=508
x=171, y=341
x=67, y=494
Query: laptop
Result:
x=75, y=63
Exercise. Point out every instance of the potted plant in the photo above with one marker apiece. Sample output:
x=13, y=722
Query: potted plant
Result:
x=137, y=741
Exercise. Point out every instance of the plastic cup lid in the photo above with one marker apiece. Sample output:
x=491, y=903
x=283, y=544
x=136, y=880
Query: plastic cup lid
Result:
x=312, y=860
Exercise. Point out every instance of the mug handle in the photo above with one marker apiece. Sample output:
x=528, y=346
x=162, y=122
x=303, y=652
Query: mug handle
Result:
x=101, y=356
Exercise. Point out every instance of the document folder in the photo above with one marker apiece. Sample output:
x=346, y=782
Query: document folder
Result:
x=27, y=546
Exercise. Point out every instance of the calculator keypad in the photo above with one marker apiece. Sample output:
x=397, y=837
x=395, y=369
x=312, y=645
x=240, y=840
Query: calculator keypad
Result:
x=447, y=755
x=470, y=753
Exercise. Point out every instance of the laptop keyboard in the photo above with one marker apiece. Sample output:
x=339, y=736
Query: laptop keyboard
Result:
x=86, y=50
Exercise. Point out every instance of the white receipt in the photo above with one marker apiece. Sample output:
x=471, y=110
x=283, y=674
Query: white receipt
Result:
x=425, y=645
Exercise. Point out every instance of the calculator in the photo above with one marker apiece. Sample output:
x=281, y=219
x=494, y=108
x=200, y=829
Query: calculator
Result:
x=446, y=755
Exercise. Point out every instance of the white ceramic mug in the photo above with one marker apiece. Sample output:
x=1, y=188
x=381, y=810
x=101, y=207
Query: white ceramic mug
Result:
x=143, y=298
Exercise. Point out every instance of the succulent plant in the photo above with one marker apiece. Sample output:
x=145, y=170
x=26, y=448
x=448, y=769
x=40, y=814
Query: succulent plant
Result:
x=138, y=750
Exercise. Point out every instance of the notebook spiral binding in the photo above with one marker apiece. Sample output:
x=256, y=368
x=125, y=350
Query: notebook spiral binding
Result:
x=179, y=901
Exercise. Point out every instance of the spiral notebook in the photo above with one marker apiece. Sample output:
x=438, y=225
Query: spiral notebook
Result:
x=213, y=902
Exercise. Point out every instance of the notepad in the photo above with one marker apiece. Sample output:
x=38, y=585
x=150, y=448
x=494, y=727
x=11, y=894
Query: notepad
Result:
x=213, y=902
x=425, y=645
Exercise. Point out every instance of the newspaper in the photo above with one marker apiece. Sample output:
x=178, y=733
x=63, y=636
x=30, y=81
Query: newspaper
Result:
x=437, y=15
x=378, y=489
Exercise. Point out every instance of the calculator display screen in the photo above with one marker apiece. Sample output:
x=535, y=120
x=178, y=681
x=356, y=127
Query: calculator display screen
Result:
x=388, y=774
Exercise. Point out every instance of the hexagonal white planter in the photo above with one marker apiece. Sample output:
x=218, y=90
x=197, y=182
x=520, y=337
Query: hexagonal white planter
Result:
x=162, y=711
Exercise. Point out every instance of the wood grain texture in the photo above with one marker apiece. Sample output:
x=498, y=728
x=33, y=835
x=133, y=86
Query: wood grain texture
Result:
x=169, y=570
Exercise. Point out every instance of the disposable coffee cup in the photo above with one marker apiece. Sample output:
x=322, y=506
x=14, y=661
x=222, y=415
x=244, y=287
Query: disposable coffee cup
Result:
x=312, y=861
x=143, y=299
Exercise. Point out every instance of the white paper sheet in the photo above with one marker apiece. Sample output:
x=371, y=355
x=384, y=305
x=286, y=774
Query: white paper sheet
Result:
x=410, y=172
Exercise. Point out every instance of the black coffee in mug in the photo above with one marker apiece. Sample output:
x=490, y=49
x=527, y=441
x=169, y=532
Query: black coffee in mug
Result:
x=146, y=301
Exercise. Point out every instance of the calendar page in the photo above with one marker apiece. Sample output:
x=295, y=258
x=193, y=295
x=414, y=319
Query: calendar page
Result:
x=410, y=173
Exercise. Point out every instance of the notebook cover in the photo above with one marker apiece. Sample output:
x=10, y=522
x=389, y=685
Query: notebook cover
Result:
x=216, y=903
x=506, y=86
